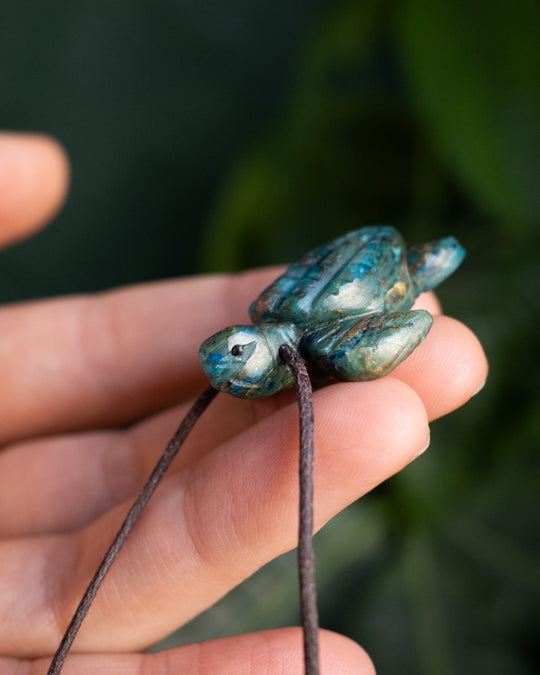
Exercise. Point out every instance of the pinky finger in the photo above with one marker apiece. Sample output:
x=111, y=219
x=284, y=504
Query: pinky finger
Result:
x=275, y=651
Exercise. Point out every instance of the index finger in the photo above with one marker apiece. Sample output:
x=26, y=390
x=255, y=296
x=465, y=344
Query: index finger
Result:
x=99, y=361
x=103, y=360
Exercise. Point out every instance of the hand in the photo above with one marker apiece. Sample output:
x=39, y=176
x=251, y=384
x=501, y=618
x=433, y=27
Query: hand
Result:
x=75, y=370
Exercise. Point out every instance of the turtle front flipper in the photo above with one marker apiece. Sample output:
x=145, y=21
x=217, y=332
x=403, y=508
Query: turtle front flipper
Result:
x=364, y=348
x=431, y=263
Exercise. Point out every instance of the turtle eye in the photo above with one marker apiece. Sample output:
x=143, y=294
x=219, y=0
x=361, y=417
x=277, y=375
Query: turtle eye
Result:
x=236, y=350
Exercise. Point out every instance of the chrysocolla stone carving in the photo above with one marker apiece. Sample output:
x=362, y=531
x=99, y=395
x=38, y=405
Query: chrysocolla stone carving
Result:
x=344, y=306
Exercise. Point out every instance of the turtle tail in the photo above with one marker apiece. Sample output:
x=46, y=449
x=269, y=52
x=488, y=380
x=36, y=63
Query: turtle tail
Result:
x=429, y=264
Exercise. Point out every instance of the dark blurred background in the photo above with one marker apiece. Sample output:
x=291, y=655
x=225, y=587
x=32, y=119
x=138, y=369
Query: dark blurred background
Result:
x=218, y=136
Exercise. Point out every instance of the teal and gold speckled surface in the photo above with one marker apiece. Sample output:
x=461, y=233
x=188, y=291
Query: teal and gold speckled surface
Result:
x=345, y=306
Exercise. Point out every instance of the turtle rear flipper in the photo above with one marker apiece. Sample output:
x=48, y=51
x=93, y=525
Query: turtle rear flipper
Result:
x=431, y=263
x=367, y=347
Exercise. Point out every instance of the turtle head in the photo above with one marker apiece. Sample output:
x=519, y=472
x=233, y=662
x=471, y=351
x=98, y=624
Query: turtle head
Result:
x=244, y=360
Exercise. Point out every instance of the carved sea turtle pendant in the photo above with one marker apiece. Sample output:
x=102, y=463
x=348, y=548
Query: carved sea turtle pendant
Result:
x=345, y=307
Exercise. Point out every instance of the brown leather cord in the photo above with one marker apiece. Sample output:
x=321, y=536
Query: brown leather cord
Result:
x=142, y=500
x=306, y=556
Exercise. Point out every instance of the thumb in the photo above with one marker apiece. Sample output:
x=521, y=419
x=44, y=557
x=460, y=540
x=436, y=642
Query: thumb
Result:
x=34, y=176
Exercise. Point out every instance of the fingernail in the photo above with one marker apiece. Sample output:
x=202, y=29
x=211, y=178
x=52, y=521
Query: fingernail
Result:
x=424, y=447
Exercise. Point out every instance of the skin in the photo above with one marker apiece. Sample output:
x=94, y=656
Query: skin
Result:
x=74, y=369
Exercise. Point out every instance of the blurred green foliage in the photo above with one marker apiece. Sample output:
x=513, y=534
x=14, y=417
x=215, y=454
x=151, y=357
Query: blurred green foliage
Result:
x=269, y=129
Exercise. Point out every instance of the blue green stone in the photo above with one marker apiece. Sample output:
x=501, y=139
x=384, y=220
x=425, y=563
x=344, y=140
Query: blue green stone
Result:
x=344, y=306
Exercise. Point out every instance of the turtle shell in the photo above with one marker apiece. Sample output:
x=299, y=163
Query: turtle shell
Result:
x=362, y=272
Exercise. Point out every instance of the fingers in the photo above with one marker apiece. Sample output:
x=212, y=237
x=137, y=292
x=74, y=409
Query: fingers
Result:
x=105, y=360
x=99, y=361
x=81, y=476
x=211, y=525
x=429, y=302
x=447, y=368
x=33, y=183
x=61, y=483
x=264, y=653
x=95, y=471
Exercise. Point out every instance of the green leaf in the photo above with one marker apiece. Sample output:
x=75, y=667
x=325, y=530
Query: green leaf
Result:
x=474, y=73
